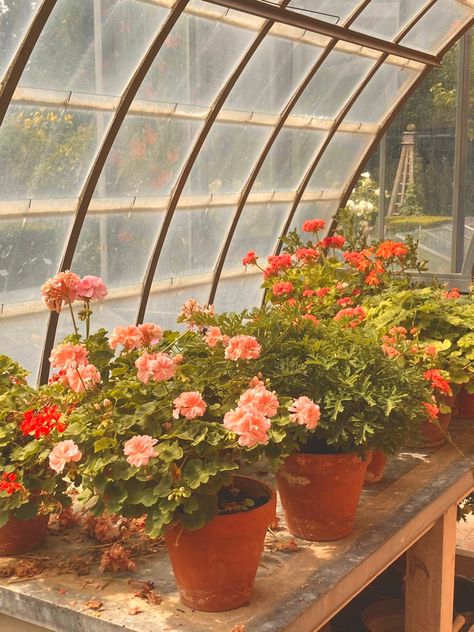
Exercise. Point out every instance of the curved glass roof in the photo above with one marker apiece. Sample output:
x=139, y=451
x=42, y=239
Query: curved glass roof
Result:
x=154, y=142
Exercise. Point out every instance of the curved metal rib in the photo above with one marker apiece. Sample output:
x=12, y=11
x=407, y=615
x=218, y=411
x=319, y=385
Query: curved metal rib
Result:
x=186, y=170
x=15, y=70
x=261, y=159
x=340, y=117
x=99, y=162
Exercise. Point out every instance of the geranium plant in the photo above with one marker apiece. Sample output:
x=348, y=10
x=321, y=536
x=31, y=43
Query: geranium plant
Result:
x=444, y=322
x=324, y=275
x=338, y=390
x=33, y=457
x=153, y=414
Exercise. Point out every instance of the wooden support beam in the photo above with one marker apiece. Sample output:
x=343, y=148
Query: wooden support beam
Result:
x=430, y=578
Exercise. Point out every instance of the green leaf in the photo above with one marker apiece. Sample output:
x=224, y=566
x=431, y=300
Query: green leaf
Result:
x=104, y=444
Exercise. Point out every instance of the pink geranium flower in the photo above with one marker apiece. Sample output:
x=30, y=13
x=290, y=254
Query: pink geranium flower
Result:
x=81, y=377
x=190, y=405
x=68, y=355
x=91, y=288
x=158, y=366
x=60, y=289
x=214, y=335
x=129, y=337
x=63, y=452
x=139, y=450
x=250, y=426
x=242, y=348
x=259, y=399
x=305, y=412
x=151, y=334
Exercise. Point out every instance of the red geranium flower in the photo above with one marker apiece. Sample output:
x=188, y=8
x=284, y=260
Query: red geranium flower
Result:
x=454, y=293
x=250, y=258
x=437, y=381
x=8, y=483
x=282, y=288
x=40, y=423
x=313, y=225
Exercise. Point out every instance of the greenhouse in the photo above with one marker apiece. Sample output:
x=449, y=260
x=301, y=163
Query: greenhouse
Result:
x=236, y=315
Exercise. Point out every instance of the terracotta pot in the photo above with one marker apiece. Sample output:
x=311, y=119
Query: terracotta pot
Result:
x=465, y=403
x=22, y=536
x=434, y=434
x=320, y=494
x=376, y=467
x=215, y=566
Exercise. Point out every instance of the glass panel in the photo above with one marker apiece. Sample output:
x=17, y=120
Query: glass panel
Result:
x=378, y=97
x=339, y=161
x=194, y=62
x=117, y=246
x=425, y=210
x=15, y=19
x=314, y=210
x=259, y=227
x=438, y=25
x=243, y=292
x=108, y=314
x=147, y=156
x=163, y=307
x=334, y=8
x=46, y=152
x=387, y=18
x=226, y=158
x=193, y=242
x=288, y=159
x=469, y=180
x=270, y=78
x=23, y=338
x=30, y=252
x=332, y=85
x=93, y=45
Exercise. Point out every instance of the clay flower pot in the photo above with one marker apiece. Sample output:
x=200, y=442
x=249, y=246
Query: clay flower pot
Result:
x=434, y=434
x=465, y=403
x=21, y=536
x=215, y=566
x=376, y=467
x=320, y=494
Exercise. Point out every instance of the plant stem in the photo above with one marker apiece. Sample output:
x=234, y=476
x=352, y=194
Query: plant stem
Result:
x=72, y=316
x=88, y=318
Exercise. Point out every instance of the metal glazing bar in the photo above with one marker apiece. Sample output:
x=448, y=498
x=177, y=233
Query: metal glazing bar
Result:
x=382, y=178
x=342, y=114
x=187, y=168
x=261, y=159
x=286, y=16
x=15, y=70
x=460, y=153
x=99, y=162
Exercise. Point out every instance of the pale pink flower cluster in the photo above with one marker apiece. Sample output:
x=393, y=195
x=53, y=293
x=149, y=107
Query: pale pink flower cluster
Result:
x=66, y=286
x=81, y=377
x=63, y=453
x=139, y=450
x=305, y=412
x=191, y=307
x=250, y=425
x=214, y=335
x=74, y=370
x=91, y=288
x=68, y=355
x=135, y=336
x=260, y=399
x=189, y=404
x=155, y=366
x=243, y=348
x=60, y=289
